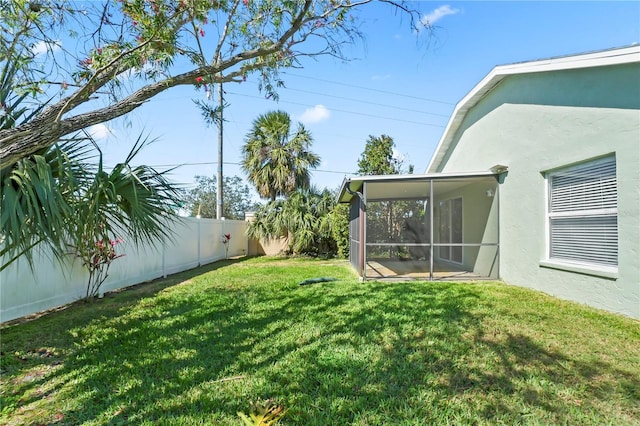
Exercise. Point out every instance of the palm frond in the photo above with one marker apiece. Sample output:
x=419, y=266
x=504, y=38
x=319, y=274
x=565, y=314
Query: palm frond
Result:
x=35, y=202
x=60, y=197
x=136, y=201
x=276, y=161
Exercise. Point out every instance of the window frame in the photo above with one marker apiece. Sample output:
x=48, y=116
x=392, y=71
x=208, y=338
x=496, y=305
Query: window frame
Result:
x=585, y=266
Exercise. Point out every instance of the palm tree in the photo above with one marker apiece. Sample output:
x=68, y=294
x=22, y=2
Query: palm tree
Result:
x=305, y=216
x=33, y=190
x=134, y=202
x=308, y=217
x=60, y=198
x=276, y=161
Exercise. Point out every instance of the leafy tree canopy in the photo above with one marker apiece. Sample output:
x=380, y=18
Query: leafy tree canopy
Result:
x=101, y=60
x=384, y=222
x=236, y=198
x=377, y=157
x=340, y=229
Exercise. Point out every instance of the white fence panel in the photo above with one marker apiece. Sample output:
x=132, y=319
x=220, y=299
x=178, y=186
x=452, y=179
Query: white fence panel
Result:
x=211, y=246
x=196, y=242
x=23, y=292
x=182, y=253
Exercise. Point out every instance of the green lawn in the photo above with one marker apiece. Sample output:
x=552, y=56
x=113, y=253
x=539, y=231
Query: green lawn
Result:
x=198, y=347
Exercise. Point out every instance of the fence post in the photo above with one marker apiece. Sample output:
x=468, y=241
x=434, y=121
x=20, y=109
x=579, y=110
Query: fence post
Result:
x=164, y=257
x=246, y=242
x=199, y=237
x=225, y=247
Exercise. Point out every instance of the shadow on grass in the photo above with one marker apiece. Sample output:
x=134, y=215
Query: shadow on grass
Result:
x=543, y=381
x=39, y=346
x=131, y=293
x=333, y=353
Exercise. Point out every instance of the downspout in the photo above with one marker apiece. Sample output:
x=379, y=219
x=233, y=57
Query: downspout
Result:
x=361, y=244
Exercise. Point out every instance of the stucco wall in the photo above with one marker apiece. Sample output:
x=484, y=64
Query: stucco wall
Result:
x=535, y=123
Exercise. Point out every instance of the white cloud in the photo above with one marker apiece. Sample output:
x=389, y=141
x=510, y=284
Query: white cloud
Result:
x=41, y=47
x=314, y=115
x=397, y=155
x=381, y=77
x=437, y=14
x=99, y=131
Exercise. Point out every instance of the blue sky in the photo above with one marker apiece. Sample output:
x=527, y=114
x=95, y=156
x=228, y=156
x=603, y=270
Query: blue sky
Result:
x=397, y=84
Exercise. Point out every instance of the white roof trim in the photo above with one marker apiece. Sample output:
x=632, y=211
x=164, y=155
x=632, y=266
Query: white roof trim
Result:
x=587, y=60
x=426, y=176
x=406, y=177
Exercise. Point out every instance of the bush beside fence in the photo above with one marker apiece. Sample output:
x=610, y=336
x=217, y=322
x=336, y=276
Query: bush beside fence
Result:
x=50, y=285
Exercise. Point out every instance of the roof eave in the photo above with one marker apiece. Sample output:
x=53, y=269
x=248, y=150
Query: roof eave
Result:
x=344, y=195
x=616, y=56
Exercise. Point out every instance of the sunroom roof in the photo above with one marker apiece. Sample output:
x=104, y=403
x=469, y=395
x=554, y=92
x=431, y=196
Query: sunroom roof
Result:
x=412, y=186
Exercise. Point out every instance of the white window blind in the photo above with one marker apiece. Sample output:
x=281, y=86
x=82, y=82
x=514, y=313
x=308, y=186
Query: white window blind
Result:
x=583, y=213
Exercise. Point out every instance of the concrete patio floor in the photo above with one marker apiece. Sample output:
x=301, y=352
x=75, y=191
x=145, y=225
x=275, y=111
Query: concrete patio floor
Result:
x=417, y=270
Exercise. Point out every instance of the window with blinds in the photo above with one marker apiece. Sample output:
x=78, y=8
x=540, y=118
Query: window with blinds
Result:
x=583, y=213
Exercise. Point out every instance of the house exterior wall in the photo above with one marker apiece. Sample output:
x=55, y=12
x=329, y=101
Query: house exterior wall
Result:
x=534, y=123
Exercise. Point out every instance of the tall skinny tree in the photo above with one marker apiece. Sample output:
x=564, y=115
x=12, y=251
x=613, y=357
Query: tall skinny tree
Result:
x=377, y=157
x=277, y=161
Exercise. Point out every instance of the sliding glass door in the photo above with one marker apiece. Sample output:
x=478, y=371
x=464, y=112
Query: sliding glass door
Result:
x=450, y=230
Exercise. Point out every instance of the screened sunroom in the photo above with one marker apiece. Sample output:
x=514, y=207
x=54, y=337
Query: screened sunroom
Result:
x=434, y=226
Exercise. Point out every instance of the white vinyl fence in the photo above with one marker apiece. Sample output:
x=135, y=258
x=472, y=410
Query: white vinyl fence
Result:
x=196, y=242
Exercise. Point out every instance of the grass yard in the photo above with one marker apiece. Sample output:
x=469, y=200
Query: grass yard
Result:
x=198, y=347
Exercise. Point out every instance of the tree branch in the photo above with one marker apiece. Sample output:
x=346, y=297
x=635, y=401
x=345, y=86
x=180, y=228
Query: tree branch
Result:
x=223, y=36
x=51, y=125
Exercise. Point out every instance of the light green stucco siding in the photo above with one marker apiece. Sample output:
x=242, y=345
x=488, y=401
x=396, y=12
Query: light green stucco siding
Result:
x=539, y=122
